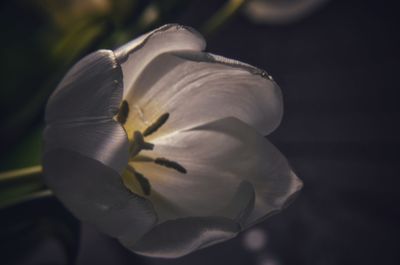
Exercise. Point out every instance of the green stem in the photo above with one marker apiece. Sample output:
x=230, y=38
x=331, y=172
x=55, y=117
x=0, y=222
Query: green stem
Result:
x=222, y=15
x=25, y=198
x=20, y=174
x=22, y=185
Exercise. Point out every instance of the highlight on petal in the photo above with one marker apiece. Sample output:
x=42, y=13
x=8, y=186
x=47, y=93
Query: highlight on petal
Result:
x=180, y=237
x=196, y=88
x=203, y=191
x=91, y=90
x=95, y=194
x=104, y=141
x=135, y=55
x=218, y=156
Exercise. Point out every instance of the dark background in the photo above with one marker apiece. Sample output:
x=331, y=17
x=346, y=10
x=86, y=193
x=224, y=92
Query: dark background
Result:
x=338, y=70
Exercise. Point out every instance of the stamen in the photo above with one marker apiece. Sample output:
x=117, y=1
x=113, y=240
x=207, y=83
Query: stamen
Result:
x=139, y=144
x=156, y=125
x=143, y=181
x=170, y=164
x=123, y=112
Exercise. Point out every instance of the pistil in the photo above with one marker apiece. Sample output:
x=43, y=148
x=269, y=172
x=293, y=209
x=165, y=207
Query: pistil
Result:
x=138, y=143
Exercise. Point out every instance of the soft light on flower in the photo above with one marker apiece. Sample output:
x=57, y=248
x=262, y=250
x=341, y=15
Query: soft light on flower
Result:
x=161, y=145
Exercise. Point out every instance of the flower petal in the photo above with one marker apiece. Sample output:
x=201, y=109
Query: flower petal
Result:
x=135, y=55
x=95, y=194
x=180, y=237
x=203, y=191
x=104, y=141
x=91, y=90
x=271, y=199
x=241, y=205
x=217, y=157
x=196, y=88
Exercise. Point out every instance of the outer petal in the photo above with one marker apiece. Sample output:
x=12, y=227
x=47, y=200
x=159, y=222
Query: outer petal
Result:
x=203, y=191
x=90, y=91
x=241, y=205
x=218, y=156
x=196, y=88
x=180, y=237
x=135, y=55
x=104, y=141
x=95, y=194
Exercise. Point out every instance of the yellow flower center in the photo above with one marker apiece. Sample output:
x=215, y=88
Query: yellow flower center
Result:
x=135, y=181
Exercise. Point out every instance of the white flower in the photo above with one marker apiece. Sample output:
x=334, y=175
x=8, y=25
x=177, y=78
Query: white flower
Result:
x=161, y=145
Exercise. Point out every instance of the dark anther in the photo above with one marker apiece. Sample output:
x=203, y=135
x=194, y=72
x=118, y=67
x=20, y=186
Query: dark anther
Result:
x=123, y=112
x=156, y=125
x=170, y=164
x=144, y=183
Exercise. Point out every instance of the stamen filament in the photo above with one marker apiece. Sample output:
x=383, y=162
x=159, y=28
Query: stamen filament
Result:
x=141, y=158
x=139, y=144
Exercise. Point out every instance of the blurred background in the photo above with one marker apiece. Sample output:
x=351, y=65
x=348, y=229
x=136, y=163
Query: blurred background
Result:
x=337, y=64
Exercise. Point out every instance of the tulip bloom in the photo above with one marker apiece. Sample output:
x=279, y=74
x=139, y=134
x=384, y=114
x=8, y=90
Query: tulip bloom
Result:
x=161, y=145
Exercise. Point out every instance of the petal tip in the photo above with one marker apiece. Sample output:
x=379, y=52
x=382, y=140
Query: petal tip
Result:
x=180, y=237
x=297, y=185
x=122, y=53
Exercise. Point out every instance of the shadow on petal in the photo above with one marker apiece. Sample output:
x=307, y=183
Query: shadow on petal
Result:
x=95, y=194
x=180, y=237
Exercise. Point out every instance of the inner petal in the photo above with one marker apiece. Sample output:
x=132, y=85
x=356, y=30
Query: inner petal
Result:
x=196, y=88
x=203, y=191
x=135, y=55
x=217, y=158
